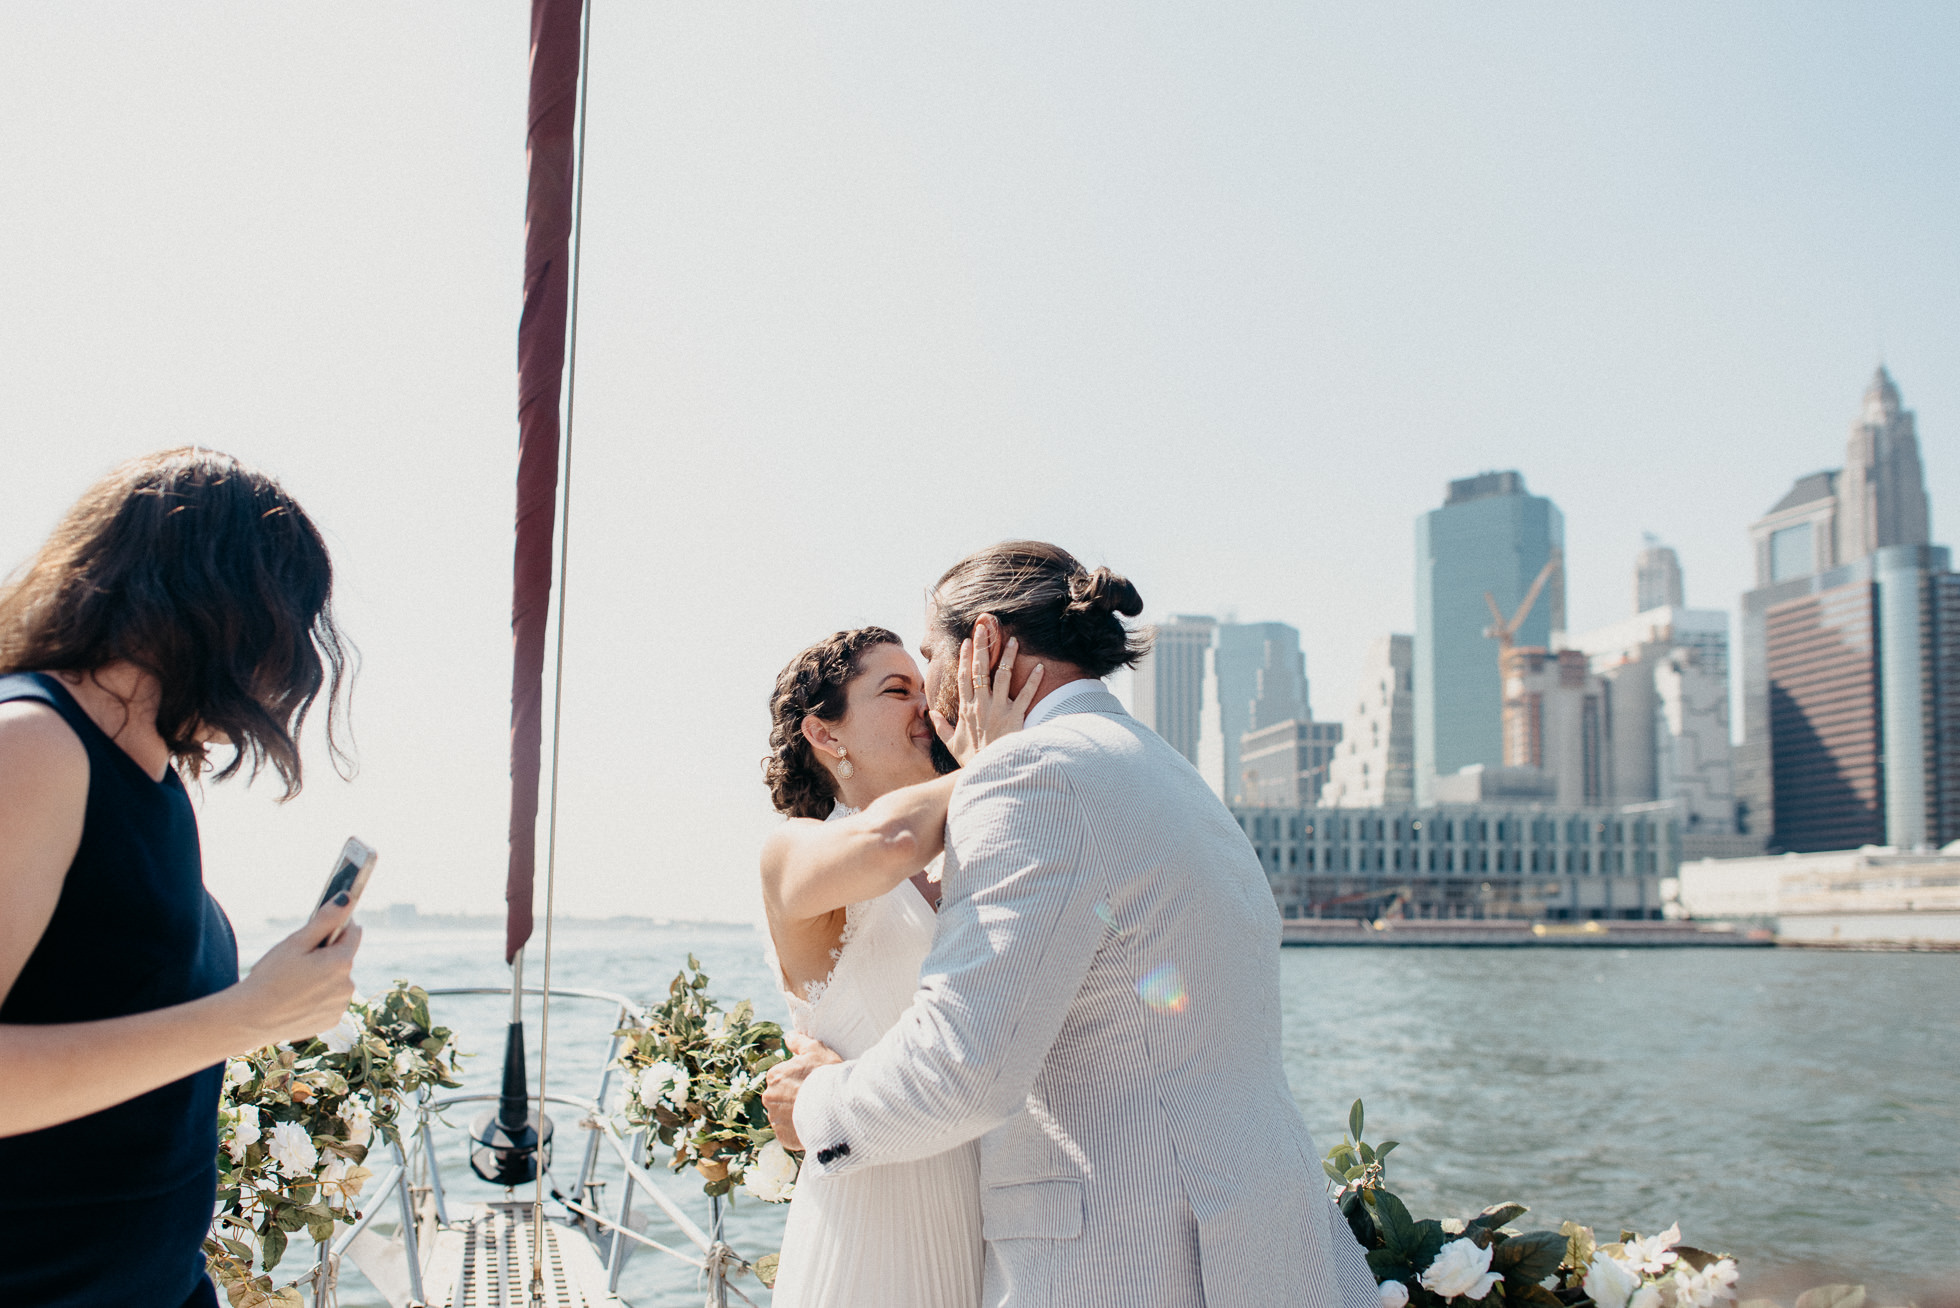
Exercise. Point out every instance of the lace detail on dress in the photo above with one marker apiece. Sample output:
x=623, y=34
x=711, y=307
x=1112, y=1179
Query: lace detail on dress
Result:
x=800, y=1005
x=853, y=919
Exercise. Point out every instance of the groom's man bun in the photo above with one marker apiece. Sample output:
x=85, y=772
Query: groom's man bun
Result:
x=1043, y=595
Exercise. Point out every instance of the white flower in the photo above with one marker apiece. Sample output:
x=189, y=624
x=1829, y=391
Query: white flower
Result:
x=238, y=1072
x=292, y=1148
x=331, y=1181
x=349, y=1032
x=1394, y=1294
x=663, y=1080
x=1651, y=1256
x=1609, y=1282
x=1461, y=1270
x=1647, y=1296
x=360, y=1123
x=1703, y=1289
x=772, y=1176
x=244, y=1131
x=404, y=1063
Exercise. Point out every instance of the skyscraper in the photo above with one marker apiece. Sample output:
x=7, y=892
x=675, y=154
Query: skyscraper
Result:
x=1657, y=578
x=1490, y=537
x=1169, y=684
x=1882, y=491
x=1851, y=653
x=1258, y=679
x=1374, y=764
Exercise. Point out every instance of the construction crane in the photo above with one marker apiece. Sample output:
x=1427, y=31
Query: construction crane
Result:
x=1522, y=714
x=1505, y=633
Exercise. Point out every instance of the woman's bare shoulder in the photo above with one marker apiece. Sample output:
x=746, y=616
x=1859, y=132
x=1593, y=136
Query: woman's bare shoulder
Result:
x=34, y=736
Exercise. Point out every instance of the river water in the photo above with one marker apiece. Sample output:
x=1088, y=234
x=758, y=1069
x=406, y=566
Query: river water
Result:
x=1799, y=1109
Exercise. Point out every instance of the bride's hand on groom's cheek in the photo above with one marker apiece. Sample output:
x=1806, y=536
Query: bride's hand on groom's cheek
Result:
x=786, y=1078
x=988, y=707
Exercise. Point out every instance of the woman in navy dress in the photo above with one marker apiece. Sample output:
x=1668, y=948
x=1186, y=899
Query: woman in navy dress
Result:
x=181, y=606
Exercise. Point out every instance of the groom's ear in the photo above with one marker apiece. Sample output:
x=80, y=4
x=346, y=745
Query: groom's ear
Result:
x=995, y=637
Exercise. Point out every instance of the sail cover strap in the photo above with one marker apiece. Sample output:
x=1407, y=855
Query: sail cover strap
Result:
x=549, y=153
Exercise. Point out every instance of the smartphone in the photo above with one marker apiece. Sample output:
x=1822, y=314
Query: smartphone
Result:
x=350, y=875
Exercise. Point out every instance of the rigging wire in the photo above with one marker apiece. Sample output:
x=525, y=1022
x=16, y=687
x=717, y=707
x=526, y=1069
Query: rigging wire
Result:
x=558, y=670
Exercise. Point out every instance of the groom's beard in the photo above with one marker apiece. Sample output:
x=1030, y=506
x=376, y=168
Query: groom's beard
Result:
x=942, y=758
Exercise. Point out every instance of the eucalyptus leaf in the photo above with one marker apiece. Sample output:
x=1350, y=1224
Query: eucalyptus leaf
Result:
x=1355, y=1120
x=765, y=1268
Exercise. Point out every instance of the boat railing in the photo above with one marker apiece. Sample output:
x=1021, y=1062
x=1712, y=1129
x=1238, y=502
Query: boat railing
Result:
x=612, y=1232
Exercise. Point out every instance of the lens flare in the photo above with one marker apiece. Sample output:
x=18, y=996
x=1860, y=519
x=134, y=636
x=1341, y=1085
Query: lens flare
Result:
x=1163, y=989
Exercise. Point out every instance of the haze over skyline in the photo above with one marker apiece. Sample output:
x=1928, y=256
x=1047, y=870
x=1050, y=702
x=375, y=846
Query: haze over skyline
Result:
x=1220, y=299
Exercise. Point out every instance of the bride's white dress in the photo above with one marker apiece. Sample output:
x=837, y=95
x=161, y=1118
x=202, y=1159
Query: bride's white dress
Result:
x=904, y=1235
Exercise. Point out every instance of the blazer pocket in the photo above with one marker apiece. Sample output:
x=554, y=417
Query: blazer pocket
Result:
x=1032, y=1210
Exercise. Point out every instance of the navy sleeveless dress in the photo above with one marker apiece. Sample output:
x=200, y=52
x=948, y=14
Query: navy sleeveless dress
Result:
x=112, y=1208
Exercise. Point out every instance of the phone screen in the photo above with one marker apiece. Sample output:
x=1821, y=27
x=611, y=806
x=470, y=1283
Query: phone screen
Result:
x=343, y=878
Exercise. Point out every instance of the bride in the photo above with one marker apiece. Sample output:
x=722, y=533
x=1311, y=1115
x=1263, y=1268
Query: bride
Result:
x=850, y=903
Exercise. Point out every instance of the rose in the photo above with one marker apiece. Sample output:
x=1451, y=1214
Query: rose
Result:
x=244, y=1131
x=1647, y=1296
x=663, y=1080
x=350, y=1031
x=772, y=1177
x=1394, y=1294
x=238, y=1072
x=1460, y=1270
x=292, y=1148
x=1609, y=1282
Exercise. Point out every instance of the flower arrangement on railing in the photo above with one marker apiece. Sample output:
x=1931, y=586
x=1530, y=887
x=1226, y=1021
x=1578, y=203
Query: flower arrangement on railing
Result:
x=1481, y=1259
x=694, y=1082
x=295, y=1123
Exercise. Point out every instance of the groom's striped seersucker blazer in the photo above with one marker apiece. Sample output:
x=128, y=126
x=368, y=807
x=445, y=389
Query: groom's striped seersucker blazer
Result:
x=1101, y=1008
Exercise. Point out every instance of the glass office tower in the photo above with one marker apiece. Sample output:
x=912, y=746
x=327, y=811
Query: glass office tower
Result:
x=1492, y=536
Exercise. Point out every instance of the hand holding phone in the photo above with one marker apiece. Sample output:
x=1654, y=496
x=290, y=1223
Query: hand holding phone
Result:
x=350, y=876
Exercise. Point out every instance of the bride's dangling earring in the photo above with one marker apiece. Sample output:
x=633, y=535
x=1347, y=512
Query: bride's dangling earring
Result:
x=845, y=768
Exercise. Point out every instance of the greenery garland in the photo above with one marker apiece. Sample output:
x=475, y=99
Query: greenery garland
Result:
x=295, y=1124
x=1482, y=1259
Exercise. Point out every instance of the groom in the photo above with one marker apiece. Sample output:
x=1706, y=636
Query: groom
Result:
x=1101, y=1004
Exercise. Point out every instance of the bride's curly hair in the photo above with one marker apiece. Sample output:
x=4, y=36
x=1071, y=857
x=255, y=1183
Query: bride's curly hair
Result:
x=814, y=682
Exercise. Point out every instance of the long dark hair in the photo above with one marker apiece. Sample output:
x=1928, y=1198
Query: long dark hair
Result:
x=1041, y=594
x=815, y=681
x=205, y=574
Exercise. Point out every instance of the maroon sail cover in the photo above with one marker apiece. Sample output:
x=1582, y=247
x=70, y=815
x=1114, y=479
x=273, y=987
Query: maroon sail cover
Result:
x=549, y=153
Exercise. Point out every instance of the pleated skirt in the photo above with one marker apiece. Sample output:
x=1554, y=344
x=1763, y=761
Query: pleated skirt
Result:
x=904, y=1235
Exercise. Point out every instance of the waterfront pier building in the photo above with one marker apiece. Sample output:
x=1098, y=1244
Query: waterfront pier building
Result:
x=1479, y=861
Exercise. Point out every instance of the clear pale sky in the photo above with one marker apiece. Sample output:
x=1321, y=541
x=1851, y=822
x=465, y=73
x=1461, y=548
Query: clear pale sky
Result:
x=1220, y=296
